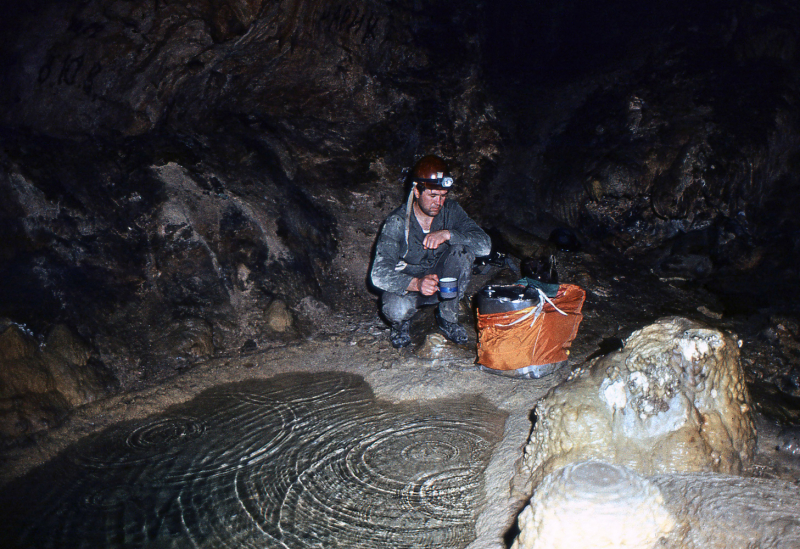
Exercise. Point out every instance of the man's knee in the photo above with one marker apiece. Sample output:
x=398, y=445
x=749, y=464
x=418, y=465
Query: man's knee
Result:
x=458, y=262
x=464, y=254
x=397, y=308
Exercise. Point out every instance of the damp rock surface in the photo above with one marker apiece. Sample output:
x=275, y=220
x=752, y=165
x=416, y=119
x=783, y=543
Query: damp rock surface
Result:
x=295, y=461
x=168, y=163
x=672, y=400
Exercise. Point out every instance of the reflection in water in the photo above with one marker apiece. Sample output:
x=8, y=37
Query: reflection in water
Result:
x=293, y=462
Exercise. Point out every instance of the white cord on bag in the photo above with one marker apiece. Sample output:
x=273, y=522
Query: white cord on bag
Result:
x=536, y=311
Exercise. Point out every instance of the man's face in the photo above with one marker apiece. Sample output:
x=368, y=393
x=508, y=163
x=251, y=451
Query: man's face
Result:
x=430, y=201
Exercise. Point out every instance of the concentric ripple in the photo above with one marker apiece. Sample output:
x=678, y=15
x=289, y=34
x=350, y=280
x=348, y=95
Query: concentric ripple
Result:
x=292, y=462
x=150, y=439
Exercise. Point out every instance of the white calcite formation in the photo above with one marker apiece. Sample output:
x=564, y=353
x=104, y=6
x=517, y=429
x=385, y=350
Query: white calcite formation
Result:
x=731, y=512
x=599, y=505
x=672, y=400
x=594, y=504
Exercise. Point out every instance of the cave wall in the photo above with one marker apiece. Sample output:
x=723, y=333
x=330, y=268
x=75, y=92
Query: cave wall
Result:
x=172, y=169
x=667, y=132
x=313, y=81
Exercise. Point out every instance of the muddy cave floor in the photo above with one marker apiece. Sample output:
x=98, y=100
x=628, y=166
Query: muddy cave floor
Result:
x=618, y=302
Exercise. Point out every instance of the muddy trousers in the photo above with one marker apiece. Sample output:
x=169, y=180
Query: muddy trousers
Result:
x=455, y=262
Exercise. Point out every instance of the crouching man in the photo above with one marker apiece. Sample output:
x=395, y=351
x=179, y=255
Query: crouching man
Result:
x=426, y=239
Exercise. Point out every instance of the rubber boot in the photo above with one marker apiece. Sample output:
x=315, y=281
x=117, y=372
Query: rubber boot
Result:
x=399, y=335
x=453, y=331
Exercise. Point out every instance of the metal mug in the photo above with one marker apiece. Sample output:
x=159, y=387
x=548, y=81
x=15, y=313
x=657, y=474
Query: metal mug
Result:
x=448, y=288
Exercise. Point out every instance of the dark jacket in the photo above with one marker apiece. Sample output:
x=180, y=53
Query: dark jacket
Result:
x=397, y=262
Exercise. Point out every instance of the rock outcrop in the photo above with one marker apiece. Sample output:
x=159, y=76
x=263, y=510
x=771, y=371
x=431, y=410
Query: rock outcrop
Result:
x=730, y=512
x=672, y=400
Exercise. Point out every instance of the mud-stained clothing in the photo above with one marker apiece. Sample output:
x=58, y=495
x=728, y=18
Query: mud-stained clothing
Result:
x=455, y=261
x=398, y=261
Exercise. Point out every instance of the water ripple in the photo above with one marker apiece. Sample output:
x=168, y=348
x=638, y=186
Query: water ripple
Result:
x=296, y=461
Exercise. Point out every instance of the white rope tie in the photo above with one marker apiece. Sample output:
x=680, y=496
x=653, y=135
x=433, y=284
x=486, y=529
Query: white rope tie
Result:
x=536, y=311
x=409, y=204
x=543, y=296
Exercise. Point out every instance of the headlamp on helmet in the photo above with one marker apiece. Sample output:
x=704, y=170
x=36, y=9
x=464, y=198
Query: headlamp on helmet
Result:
x=431, y=172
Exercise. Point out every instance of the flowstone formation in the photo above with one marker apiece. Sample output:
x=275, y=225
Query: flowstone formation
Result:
x=594, y=504
x=296, y=461
x=41, y=381
x=672, y=400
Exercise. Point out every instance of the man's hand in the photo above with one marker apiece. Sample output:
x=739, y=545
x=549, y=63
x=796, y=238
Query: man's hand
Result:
x=427, y=285
x=435, y=239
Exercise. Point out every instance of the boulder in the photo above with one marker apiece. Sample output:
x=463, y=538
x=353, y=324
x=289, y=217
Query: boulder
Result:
x=673, y=399
x=279, y=318
x=187, y=339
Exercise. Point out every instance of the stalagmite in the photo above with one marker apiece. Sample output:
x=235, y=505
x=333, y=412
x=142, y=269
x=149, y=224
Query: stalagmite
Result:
x=672, y=400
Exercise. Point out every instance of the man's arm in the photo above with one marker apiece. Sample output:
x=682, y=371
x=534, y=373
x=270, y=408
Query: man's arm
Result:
x=435, y=239
x=391, y=243
x=464, y=231
x=427, y=285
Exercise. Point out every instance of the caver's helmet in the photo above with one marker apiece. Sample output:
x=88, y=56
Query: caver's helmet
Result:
x=431, y=172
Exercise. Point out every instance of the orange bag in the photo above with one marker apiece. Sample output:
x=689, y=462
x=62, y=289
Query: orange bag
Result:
x=507, y=343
